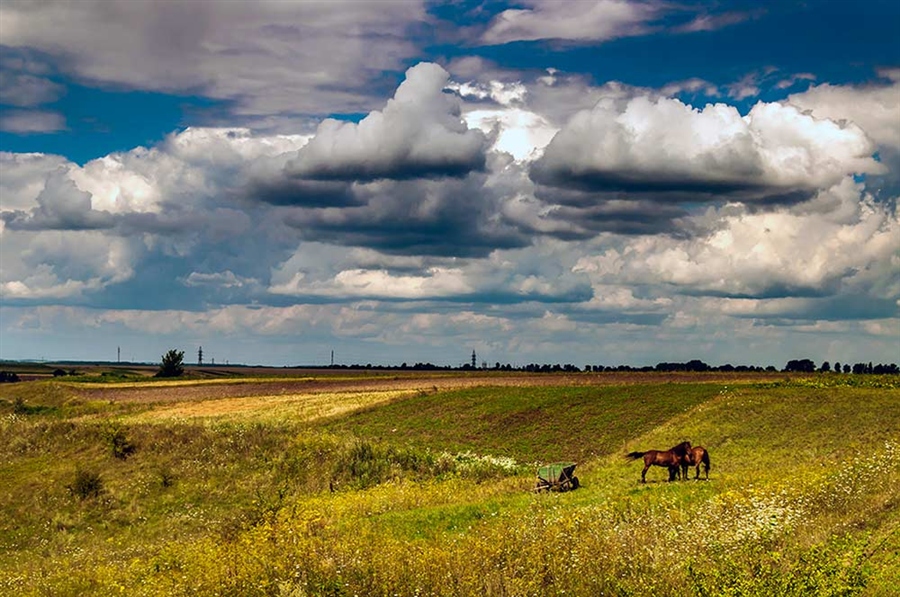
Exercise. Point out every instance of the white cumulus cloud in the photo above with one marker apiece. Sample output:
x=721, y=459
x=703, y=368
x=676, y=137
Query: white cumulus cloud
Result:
x=664, y=145
x=875, y=108
x=420, y=132
x=774, y=253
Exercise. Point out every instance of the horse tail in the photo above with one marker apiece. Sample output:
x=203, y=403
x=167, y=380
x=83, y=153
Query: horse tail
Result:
x=634, y=455
x=705, y=458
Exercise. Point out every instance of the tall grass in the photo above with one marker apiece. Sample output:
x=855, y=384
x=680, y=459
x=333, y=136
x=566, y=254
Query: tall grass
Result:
x=802, y=499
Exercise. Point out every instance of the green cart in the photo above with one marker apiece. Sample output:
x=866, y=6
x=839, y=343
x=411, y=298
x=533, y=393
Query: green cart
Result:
x=558, y=476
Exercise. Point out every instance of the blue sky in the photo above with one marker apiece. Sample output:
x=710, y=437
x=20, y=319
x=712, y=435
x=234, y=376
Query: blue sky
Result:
x=593, y=182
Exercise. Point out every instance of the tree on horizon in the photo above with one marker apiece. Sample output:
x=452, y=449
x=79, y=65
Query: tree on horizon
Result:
x=172, y=364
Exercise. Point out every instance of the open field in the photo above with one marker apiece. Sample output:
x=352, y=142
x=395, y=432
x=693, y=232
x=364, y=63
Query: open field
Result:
x=397, y=483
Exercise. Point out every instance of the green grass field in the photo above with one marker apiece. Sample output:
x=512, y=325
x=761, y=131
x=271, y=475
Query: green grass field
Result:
x=428, y=491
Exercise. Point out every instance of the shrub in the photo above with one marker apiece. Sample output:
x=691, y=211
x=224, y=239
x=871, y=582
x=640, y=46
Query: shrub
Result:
x=165, y=475
x=87, y=484
x=20, y=407
x=8, y=377
x=363, y=465
x=119, y=444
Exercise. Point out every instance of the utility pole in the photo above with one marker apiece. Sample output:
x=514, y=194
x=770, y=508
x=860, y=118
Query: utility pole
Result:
x=118, y=354
x=332, y=358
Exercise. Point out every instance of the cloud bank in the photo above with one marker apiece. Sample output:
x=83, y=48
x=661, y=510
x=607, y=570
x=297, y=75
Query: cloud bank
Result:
x=359, y=198
x=233, y=52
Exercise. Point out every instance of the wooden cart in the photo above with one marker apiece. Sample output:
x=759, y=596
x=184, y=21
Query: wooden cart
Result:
x=558, y=476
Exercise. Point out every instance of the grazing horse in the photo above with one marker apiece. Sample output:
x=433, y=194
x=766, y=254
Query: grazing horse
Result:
x=671, y=459
x=696, y=456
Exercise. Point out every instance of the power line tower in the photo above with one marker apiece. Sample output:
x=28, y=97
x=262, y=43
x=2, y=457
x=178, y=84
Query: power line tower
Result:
x=473, y=359
x=200, y=356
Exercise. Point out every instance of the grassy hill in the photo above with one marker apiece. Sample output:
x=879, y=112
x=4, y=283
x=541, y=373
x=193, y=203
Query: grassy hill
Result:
x=428, y=491
x=530, y=424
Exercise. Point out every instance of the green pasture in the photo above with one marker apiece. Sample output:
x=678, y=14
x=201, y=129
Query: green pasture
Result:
x=530, y=424
x=430, y=494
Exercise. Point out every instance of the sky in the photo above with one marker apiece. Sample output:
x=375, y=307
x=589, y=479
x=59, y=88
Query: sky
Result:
x=596, y=182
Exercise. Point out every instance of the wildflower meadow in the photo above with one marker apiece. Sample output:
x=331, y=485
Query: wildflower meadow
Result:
x=429, y=491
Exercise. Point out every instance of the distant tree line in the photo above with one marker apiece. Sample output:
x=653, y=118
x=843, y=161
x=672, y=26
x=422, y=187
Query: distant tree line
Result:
x=695, y=365
x=172, y=365
x=8, y=377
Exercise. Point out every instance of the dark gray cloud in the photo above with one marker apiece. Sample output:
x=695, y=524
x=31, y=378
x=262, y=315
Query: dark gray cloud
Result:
x=302, y=192
x=452, y=217
x=621, y=217
x=833, y=308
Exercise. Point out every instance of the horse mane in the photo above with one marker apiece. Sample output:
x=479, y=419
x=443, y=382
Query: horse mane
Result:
x=682, y=449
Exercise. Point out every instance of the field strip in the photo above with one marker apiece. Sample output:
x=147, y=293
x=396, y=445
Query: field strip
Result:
x=182, y=383
x=295, y=407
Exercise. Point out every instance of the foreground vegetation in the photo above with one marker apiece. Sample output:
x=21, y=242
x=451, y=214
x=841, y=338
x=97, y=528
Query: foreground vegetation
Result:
x=427, y=491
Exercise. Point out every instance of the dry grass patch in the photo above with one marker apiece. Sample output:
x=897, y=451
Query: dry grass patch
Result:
x=179, y=382
x=292, y=407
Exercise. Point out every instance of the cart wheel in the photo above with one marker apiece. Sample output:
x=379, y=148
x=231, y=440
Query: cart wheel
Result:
x=575, y=484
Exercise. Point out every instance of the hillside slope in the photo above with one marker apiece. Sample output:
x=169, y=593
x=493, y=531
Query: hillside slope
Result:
x=429, y=492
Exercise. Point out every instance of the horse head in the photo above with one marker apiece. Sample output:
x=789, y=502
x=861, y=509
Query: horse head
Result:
x=682, y=450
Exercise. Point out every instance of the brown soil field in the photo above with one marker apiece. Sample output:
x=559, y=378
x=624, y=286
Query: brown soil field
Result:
x=317, y=382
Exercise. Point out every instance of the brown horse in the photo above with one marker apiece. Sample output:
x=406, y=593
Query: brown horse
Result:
x=671, y=459
x=696, y=456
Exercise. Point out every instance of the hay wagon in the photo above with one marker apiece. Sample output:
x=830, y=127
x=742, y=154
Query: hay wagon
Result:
x=558, y=476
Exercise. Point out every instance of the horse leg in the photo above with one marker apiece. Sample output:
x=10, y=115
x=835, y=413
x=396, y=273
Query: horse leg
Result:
x=644, y=473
